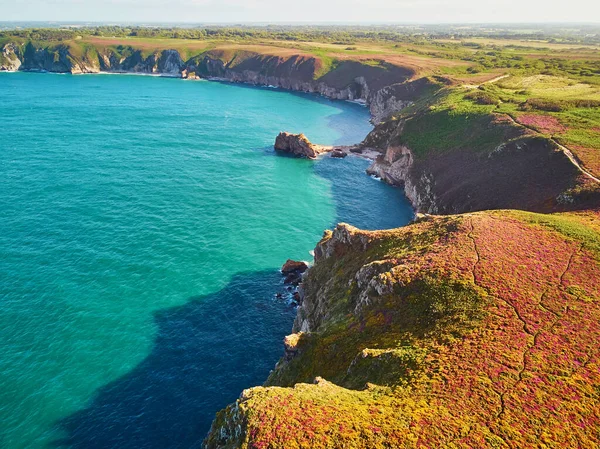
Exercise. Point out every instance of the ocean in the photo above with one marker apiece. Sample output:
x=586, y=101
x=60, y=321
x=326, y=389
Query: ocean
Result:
x=144, y=221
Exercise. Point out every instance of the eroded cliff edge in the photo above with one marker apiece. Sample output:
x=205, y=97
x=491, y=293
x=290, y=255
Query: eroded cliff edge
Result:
x=475, y=330
x=372, y=83
x=454, y=155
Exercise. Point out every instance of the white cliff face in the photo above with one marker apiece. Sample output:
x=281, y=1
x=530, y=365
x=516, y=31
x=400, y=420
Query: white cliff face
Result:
x=383, y=104
x=10, y=62
x=396, y=168
x=170, y=62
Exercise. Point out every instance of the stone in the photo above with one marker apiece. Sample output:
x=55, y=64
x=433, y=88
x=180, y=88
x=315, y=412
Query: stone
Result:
x=338, y=154
x=291, y=266
x=297, y=145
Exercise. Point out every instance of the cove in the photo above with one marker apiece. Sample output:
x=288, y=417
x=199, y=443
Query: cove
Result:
x=144, y=220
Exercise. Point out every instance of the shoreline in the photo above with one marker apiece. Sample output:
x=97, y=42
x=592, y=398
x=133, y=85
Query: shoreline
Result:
x=365, y=153
x=359, y=102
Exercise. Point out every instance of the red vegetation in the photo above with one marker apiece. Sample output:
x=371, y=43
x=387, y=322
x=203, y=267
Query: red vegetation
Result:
x=546, y=124
x=510, y=359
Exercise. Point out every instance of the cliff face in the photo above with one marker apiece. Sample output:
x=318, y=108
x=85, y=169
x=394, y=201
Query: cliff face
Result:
x=347, y=80
x=9, y=58
x=393, y=98
x=476, y=330
x=508, y=167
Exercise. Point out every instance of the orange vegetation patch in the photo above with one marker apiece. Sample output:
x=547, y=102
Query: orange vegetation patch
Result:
x=546, y=124
x=589, y=157
x=416, y=63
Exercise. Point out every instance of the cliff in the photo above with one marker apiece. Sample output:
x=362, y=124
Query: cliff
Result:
x=475, y=330
x=453, y=156
x=342, y=80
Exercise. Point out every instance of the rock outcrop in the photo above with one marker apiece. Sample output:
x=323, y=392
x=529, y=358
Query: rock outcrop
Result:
x=475, y=330
x=339, y=154
x=294, y=266
x=297, y=145
x=9, y=58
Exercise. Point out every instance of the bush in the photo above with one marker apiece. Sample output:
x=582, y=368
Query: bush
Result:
x=482, y=97
x=543, y=105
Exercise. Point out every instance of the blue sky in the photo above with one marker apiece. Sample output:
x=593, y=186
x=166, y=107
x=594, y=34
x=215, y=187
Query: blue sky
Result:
x=421, y=11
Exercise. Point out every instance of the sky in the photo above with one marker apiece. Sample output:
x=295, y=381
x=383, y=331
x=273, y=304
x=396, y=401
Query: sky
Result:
x=276, y=11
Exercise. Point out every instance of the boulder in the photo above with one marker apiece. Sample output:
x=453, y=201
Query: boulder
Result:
x=294, y=266
x=297, y=145
x=338, y=153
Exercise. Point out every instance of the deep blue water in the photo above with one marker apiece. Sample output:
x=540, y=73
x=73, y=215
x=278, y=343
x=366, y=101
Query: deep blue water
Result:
x=143, y=223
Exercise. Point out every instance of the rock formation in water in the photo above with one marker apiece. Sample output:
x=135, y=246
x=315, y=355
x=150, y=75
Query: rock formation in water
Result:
x=297, y=145
x=292, y=266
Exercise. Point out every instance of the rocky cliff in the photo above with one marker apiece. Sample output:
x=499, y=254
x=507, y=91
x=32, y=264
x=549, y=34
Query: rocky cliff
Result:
x=9, y=58
x=346, y=80
x=476, y=330
x=448, y=165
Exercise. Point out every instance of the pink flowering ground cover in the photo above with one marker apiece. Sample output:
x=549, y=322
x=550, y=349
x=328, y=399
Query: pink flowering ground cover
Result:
x=481, y=330
x=546, y=124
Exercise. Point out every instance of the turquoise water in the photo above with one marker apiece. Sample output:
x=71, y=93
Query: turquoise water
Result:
x=143, y=222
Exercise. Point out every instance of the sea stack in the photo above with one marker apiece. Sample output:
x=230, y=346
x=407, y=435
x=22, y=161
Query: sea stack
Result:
x=297, y=145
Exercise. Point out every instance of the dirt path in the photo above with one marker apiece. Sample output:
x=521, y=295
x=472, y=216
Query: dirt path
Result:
x=493, y=80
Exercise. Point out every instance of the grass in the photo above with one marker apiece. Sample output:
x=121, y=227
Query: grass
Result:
x=575, y=226
x=467, y=117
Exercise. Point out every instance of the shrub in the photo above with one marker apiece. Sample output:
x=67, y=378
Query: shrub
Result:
x=482, y=97
x=543, y=105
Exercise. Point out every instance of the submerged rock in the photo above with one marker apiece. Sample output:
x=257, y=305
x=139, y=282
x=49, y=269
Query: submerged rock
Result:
x=293, y=278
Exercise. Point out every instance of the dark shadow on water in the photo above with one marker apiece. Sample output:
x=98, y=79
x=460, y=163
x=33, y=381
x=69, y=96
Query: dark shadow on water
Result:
x=205, y=353
x=360, y=200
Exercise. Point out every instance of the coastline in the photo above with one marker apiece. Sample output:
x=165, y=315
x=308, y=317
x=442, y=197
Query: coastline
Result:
x=315, y=193
x=365, y=153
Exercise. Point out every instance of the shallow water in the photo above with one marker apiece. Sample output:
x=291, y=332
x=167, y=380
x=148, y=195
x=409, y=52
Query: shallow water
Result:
x=143, y=223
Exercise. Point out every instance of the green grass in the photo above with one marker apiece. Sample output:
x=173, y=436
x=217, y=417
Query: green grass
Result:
x=451, y=120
